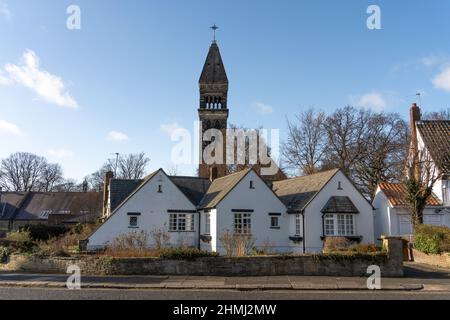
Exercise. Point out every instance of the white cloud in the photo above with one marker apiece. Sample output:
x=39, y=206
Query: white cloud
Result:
x=49, y=87
x=435, y=60
x=60, y=153
x=4, y=81
x=5, y=12
x=442, y=80
x=169, y=128
x=9, y=128
x=117, y=136
x=263, y=108
x=372, y=100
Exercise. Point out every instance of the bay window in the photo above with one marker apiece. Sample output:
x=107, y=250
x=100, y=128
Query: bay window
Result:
x=339, y=225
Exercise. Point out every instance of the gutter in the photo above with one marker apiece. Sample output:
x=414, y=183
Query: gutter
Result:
x=304, y=236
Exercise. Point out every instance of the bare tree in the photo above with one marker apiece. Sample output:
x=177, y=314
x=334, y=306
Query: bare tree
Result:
x=437, y=115
x=131, y=166
x=386, y=148
x=306, y=143
x=28, y=172
x=346, y=132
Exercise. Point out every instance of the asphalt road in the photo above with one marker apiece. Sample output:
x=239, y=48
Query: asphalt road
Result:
x=111, y=294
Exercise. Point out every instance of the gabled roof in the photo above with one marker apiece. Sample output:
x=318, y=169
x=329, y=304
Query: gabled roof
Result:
x=120, y=189
x=436, y=136
x=396, y=193
x=38, y=205
x=296, y=193
x=339, y=205
x=213, y=71
x=194, y=188
x=220, y=188
x=10, y=202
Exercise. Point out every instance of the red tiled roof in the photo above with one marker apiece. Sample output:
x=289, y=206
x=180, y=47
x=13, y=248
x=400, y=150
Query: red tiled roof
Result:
x=396, y=192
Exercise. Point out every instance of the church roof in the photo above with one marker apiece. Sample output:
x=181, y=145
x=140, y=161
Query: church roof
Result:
x=213, y=70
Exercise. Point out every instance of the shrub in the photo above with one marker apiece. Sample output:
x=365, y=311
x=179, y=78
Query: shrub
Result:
x=63, y=245
x=4, y=253
x=43, y=232
x=19, y=236
x=237, y=245
x=133, y=244
x=185, y=253
x=336, y=244
x=365, y=248
x=432, y=239
x=160, y=237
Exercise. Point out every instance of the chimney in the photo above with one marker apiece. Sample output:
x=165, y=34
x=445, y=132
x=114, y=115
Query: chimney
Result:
x=213, y=173
x=415, y=116
x=108, y=177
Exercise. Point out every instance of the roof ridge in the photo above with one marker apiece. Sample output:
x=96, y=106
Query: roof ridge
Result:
x=309, y=175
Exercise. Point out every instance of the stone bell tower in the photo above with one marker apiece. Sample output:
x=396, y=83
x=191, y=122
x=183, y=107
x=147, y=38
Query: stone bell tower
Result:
x=213, y=111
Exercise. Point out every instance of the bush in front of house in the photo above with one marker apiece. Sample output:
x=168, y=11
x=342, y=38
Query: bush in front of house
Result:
x=4, y=254
x=43, y=232
x=185, y=253
x=432, y=239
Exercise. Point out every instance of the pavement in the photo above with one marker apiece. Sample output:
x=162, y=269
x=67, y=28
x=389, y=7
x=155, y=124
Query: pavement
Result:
x=417, y=277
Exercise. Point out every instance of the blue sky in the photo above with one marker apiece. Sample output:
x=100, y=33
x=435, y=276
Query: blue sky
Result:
x=130, y=74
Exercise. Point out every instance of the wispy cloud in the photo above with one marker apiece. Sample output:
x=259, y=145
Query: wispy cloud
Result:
x=5, y=12
x=372, y=100
x=60, y=153
x=263, y=108
x=442, y=80
x=8, y=128
x=117, y=136
x=170, y=128
x=48, y=86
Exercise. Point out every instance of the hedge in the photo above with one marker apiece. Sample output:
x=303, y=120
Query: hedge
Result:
x=432, y=239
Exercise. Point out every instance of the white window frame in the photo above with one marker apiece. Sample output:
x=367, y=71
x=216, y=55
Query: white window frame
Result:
x=339, y=225
x=133, y=225
x=207, y=223
x=275, y=219
x=446, y=192
x=242, y=223
x=181, y=222
x=298, y=225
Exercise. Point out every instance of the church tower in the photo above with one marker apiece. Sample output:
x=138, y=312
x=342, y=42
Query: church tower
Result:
x=213, y=110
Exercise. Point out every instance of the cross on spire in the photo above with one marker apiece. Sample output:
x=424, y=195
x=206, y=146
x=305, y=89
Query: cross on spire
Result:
x=214, y=29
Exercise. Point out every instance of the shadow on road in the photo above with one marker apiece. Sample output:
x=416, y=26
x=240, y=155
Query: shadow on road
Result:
x=421, y=271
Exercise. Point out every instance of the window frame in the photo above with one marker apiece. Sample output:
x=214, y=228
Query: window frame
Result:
x=133, y=225
x=298, y=225
x=275, y=219
x=181, y=222
x=242, y=223
x=207, y=223
x=340, y=225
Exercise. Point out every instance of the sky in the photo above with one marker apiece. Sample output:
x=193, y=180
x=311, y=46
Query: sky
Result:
x=129, y=77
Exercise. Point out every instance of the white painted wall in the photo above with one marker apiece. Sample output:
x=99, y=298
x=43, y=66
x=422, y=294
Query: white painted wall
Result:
x=364, y=221
x=393, y=221
x=153, y=207
x=263, y=201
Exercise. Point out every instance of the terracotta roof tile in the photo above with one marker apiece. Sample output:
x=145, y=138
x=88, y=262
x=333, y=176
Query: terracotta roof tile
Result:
x=396, y=192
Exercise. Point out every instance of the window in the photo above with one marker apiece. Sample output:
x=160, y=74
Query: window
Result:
x=340, y=186
x=339, y=225
x=64, y=211
x=329, y=225
x=298, y=230
x=446, y=192
x=274, y=223
x=252, y=185
x=133, y=222
x=207, y=223
x=159, y=188
x=45, y=213
x=181, y=222
x=242, y=223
